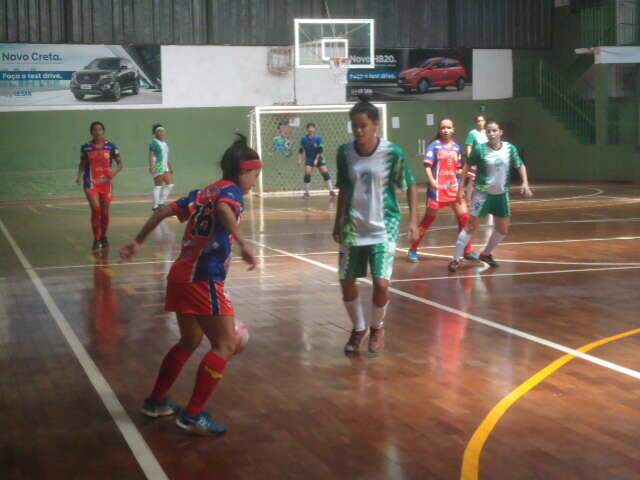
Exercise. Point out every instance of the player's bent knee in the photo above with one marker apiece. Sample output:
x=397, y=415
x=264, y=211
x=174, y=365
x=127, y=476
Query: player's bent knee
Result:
x=326, y=176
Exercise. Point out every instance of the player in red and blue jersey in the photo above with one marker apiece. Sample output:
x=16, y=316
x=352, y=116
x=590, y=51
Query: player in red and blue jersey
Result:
x=443, y=165
x=312, y=147
x=95, y=174
x=195, y=285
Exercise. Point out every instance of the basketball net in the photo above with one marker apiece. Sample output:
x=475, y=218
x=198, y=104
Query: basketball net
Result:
x=339, y=66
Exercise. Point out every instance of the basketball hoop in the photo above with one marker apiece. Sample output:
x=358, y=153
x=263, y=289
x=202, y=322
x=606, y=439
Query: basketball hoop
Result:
x=339, y=66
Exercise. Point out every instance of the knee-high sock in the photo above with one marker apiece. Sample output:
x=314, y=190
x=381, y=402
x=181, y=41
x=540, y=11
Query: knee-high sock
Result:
x=157, y=192
x=327, y=178
x=209, y=374
x=307, y=182
x=171, y=367
x=461, y=243
x=424, y=226
x=494, y=241
x=96, y=222
x=166, y=191
x=462, y=222
x=104, y=221
x=356, y=314
x=377, y=315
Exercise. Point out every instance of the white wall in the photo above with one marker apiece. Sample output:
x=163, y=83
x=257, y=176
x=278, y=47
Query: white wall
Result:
x=215, y=76
x=318, y=87
x=492, y=74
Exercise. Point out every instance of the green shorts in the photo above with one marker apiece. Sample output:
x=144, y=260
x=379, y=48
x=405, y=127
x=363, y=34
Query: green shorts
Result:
x=354, y=260
x=483, y=204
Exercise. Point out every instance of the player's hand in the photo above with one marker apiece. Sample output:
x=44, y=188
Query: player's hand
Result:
x=129, y=251
x=78, y=182
x=526, y=191
x=336, y=234
x=436, y=185
x=248, y=258
x=413, y=233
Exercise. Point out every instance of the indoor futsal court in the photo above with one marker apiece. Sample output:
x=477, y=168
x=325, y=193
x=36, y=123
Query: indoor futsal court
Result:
x=320, y=239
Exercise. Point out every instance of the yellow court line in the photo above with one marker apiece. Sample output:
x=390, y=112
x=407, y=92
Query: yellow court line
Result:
x=471, y=459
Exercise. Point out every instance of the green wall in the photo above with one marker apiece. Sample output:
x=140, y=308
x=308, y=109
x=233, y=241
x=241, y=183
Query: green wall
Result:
x=553, y=153
x=39, y=151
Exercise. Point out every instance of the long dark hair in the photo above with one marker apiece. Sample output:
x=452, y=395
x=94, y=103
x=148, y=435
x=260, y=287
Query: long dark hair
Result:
x=236, y=153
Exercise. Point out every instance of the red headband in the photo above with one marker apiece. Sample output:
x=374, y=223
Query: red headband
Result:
x=248, y=165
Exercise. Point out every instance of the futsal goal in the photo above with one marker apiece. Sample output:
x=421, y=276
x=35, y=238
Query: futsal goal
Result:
x=276, y=132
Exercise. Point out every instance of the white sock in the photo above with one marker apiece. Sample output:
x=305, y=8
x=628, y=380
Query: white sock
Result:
x=330, y=184
x=461, y=243
x=356, y=314
x=156, y=195
x=494, y=241
x=166, y=191
x=307, y=187
x=377, y=316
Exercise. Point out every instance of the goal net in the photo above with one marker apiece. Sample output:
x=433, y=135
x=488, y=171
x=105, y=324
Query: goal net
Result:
x=276, y=133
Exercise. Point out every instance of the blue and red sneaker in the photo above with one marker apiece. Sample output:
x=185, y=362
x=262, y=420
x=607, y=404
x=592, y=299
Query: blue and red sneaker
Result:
x=200, y=424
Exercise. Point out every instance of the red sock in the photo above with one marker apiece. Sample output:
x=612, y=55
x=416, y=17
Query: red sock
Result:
x=171, y=366
x=462, y=222
x=104, y=221
x=96, y=224
x=424, y=226
x=209, y=374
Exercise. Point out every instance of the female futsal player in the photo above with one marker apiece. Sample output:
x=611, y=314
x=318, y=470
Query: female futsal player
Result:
x=160, y=166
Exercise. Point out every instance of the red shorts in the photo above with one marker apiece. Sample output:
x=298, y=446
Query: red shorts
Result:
x=206, y=297
x=436, y=205
x=104, y=191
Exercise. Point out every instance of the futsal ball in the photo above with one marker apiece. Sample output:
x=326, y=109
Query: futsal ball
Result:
x=242, y=337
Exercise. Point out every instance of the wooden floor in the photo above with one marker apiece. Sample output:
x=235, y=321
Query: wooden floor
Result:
x=467, y=353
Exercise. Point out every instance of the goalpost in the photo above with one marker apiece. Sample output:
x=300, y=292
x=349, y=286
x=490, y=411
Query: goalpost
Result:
x=276, y=131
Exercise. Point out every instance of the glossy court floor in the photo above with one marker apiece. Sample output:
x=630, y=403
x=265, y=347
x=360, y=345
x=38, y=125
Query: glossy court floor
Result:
x=490, y=374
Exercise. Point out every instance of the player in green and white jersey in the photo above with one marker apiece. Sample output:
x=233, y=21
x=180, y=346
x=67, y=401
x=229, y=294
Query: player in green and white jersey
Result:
x=494, y=161
x=476, y=136
x=368, y=218
x=160, y=167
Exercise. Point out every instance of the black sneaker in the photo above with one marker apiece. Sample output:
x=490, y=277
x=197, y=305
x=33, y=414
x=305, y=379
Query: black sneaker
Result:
x=104, y=243
x=97, y=245
x=488, y=259
x=454, y=266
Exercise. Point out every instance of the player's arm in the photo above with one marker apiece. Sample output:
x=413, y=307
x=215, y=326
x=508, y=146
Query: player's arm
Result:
x=463, y=175
x=227, y=217
x=468, y=148
x=341, y=208
x=129, y=250
x=524, y=189
x=412, y=200
x=169, y=163
x=81, y=167
x=300, y=153
x=116, y=157
x=432, y=181
x=152, y=161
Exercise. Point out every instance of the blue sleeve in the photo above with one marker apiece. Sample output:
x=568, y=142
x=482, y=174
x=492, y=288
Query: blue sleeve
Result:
x=232, y=196
x=431, y=156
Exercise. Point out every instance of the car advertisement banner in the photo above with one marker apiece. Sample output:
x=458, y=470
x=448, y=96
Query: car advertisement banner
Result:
x=413, y=74
x=41, y=74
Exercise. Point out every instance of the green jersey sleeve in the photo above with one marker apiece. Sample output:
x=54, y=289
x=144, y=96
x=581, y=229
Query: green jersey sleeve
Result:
x=343, y=170
x=153, y=147
x=475, y=155
x=514, y=156
x=402, y=176
x=471, y=139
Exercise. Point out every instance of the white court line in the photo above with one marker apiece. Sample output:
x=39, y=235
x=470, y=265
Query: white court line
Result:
x=139, y=448
x=483, y=321
x=155, y=262
x=545, y=242
x=514, y=274
x=539, y=262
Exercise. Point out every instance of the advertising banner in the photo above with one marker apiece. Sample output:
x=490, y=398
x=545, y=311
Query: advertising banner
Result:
x=42, y=74
x=413, y=74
